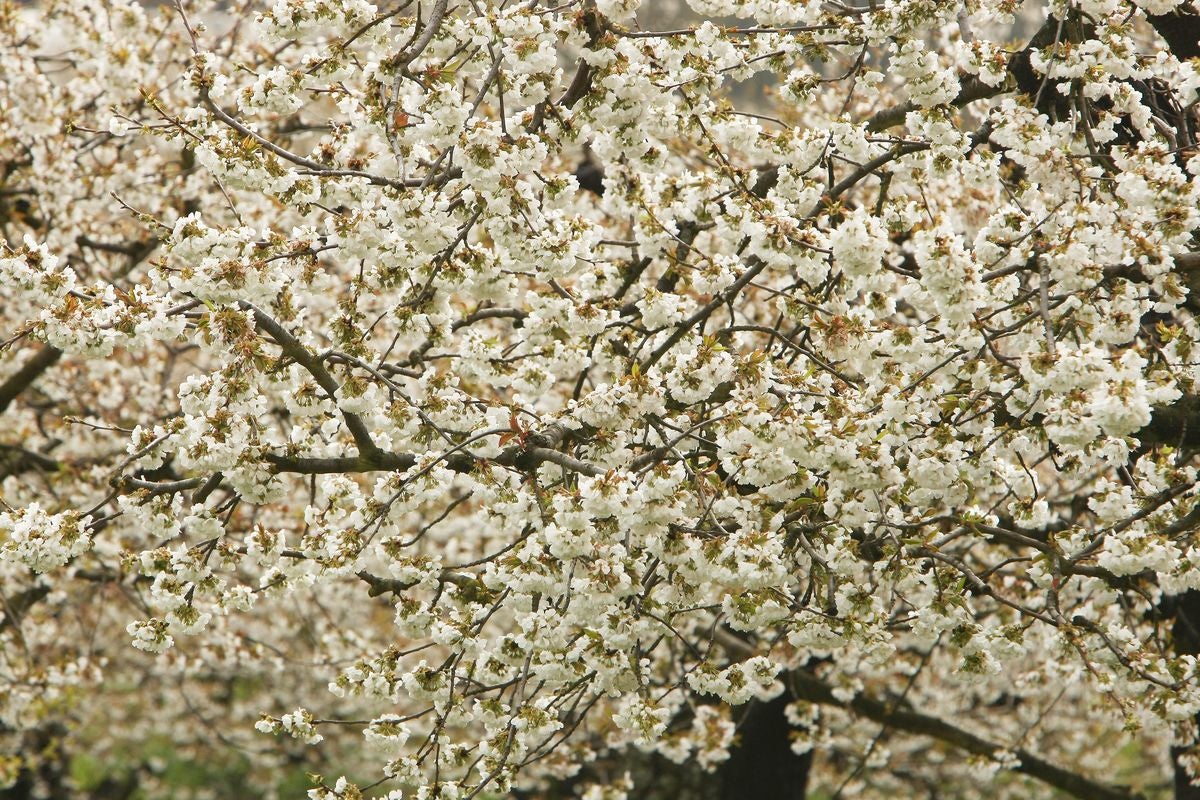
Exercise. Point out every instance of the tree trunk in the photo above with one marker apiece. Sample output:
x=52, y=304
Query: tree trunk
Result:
x=762, y=765
x=1186, y=631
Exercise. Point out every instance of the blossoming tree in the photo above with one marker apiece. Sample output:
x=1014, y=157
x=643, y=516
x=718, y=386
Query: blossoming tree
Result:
x=464, y=398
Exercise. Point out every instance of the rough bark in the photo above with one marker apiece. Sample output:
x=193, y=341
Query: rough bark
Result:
x=41, y=361
x=1186, y=633
x=762, y=766
x=1180, y=29
x=894, y=715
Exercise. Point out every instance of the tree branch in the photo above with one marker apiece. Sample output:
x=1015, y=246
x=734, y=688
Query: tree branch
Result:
x=808, y=687
x=42, y=360
x=293, y=349
x=972, y=89
x=1180, y=29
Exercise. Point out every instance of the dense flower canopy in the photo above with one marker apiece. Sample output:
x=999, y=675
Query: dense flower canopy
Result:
x=464, y=397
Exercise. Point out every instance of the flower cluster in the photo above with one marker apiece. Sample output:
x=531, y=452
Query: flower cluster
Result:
x=42, y=541
x=532, y=390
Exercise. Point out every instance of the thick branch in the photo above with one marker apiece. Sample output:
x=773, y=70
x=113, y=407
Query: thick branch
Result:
x=15, y=460
x=1176, y=425
x=1180, y=29
x=14, y=608
x=339, y=464
x=394, y=586
x=972, y=89
x=1019, y=72
x=426, y=36
x=160, y=487
x=810, y=688
x=293, y=349
x=538, y=449
x=42, y=360
x=542, y=454
x=316, y=167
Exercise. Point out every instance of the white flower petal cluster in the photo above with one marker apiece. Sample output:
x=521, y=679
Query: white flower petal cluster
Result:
x=297, y=724
x=43, y=541
x=530, y=391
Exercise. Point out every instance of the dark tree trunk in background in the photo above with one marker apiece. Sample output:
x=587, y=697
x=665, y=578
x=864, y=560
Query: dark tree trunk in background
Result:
x=50, y=778
x=1179, y=423
x=1186, y=631
x=1180, y=29
x=762, y=766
